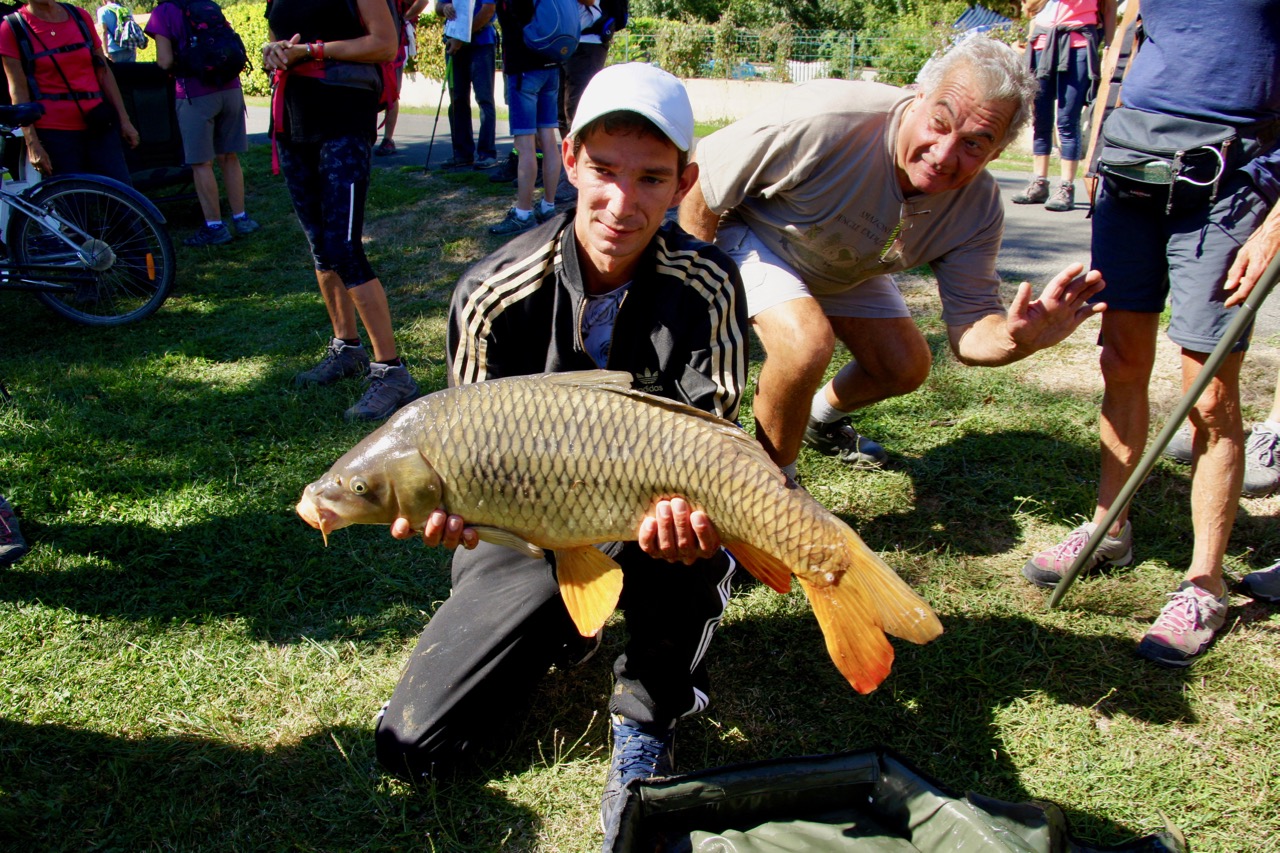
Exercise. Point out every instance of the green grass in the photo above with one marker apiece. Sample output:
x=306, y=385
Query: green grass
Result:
x=183, y=665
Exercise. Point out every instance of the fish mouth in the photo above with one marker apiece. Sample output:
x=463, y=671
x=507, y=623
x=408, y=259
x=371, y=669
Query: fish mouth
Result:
x=324, y=520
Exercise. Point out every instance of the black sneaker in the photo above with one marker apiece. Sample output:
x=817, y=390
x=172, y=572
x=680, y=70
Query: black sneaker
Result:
x=637, y=754
x=513, y=224
x=506, y=172
x=209, y=235
x=341, y=360
x=387, y=388
x=456, y=165
x=842, y=441
x=12, y=545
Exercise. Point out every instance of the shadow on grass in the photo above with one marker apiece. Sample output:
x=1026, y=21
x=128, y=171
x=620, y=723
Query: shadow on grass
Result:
x=68, y=789
x=775, y=693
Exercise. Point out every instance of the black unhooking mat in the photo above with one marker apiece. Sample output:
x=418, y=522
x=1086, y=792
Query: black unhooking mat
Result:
x=857, y=802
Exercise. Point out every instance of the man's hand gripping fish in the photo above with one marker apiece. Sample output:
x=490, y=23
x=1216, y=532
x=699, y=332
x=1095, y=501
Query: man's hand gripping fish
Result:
x=567, y=460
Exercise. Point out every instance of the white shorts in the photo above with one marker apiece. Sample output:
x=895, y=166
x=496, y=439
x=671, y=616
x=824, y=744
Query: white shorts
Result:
x=770, y=281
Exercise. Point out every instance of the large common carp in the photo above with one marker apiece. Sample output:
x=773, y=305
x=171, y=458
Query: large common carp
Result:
x=564, y=461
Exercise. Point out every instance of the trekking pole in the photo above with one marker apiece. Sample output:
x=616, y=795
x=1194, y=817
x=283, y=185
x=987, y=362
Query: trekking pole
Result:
x=448, y=74
x=1235, y=331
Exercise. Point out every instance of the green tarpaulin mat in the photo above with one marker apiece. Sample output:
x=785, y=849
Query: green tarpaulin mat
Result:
x=858, y=802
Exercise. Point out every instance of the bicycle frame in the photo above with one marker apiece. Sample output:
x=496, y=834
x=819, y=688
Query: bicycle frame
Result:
x=53, y=278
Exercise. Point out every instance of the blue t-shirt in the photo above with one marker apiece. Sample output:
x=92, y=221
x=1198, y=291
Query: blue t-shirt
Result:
x=1217, y=60
x=486, y=35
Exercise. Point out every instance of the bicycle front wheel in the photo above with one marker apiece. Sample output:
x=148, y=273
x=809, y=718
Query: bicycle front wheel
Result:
x=119, y=251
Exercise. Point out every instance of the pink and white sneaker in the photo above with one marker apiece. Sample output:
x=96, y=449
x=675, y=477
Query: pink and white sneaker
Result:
x=1185, y=627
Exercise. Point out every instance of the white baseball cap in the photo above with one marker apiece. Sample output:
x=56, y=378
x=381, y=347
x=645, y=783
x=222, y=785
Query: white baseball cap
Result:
x=638, y=87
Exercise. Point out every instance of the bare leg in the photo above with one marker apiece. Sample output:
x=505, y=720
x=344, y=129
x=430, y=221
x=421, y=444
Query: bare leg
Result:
x=233, y=180
x=798, y=344
x=1128, y=356
x=370, y=301
x=206, y=191
x=526, y=170
x=1218, y=460
x=890, y=358
x=550, y=164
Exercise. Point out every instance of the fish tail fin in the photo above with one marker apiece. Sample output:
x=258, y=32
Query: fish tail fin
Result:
x=855, y=642
x=901, y=611
x=764, y=566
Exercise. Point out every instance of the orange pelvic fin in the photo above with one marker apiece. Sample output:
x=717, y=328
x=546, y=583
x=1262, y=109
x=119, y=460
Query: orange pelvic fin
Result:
x=590, y=584
x=855, y=642
x=766, y=567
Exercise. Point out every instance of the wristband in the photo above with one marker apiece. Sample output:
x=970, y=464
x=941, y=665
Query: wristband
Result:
x=319, y=50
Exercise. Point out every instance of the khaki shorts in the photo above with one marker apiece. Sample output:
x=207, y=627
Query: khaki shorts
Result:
x=770, y=281
x=212, y=124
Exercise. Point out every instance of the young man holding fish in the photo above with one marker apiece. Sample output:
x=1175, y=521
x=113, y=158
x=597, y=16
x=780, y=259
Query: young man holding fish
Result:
x=610, y=285
x=822, y=198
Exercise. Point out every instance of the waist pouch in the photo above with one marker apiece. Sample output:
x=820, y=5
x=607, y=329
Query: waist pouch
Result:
x=1171, y=162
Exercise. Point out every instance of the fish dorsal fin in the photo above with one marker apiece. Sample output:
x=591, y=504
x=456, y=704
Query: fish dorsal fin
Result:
x=612, y=380
x=619, y=382
x=762, y=565
x=498, y=536
x=590, y=584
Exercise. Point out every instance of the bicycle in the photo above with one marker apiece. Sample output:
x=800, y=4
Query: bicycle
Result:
x=92, y=249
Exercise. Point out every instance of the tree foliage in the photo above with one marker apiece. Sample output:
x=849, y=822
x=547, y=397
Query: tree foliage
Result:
x=856, y=15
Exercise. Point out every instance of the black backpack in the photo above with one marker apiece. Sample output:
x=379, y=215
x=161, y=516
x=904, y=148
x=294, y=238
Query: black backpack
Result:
x=210, y=50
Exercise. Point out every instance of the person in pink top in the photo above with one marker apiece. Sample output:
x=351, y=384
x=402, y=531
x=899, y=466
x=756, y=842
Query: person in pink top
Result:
x=1063, y=51
x=62, y=66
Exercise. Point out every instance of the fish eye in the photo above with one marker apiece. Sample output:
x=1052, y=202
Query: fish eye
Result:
x=359, y=486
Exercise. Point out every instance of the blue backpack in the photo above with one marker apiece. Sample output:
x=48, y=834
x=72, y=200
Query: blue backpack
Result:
x=553, y=31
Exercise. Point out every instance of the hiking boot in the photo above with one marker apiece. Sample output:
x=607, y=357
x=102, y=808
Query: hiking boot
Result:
x=455, y=165
x=512, y=224
x=387, y=388
x=244, y=225
x=1037, y=192
x=209, y=235
x=12, y=545
x=841, y=440
x=1261, y=465
x=507, y=171
x=637, y=754
x=484, y=163
x=340, y=361
x=1185, y=626
x=1048, y=567
x=1063, y=199
x=1263, y=584
x=1179, y=449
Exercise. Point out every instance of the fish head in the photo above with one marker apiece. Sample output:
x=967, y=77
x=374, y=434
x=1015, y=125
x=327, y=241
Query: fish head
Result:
x=379, y=480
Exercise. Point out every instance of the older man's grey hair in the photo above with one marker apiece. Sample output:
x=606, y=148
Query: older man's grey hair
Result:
x=999, y=72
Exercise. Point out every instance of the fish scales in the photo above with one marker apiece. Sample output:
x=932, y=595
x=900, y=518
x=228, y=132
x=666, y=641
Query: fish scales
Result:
x=596, y=472
x=565, y=461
